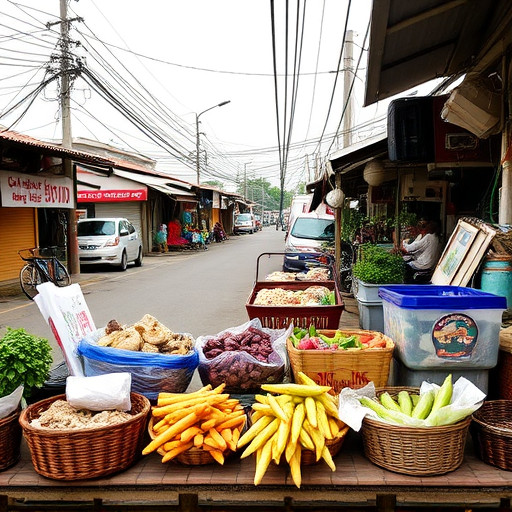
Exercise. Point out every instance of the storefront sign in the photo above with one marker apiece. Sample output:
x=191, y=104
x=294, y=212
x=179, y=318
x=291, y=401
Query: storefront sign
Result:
x=215, y=200
x=109, y=196
x=24, y=190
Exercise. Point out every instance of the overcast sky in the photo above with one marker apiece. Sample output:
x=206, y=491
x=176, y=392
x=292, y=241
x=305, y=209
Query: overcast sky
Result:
x=164, y=61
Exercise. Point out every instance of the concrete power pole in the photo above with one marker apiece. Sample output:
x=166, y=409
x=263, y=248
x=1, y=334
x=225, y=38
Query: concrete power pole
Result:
x=67, y=142
x=348, y=77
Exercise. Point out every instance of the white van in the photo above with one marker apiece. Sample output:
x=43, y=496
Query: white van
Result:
x=306, y=235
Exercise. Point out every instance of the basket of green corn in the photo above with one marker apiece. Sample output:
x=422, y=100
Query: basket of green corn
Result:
x=416, y=433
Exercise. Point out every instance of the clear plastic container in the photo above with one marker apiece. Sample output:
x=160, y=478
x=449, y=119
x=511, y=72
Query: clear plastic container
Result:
x=443, y=327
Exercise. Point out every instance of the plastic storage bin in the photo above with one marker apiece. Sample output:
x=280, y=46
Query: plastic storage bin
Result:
x=443, y=327
x=403, y=376
x=371, y=315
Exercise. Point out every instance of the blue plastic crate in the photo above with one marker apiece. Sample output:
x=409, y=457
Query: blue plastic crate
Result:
x=443, y=327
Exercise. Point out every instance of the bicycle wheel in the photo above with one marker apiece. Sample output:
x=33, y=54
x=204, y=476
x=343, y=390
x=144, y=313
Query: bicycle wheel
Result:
x=62, y=277
x=29, y=279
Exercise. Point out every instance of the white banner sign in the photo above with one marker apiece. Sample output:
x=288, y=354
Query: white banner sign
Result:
x=36, y=191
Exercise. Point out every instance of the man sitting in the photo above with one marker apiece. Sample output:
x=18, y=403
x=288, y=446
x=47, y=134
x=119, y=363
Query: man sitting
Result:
x=422, y=254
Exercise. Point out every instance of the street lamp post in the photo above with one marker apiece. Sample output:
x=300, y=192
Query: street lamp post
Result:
x=198, y=167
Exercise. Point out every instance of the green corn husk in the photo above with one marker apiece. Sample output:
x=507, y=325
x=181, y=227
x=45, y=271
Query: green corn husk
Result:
x=405, y=402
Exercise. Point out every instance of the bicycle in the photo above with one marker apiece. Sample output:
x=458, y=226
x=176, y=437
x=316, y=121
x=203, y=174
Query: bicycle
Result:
x=41, y=268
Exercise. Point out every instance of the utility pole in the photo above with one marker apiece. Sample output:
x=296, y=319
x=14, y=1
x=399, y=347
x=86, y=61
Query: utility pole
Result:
x=245, y=181
x=347, y=125
x=67, y=141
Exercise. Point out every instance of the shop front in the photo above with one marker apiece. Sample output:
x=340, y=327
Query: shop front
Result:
x=33, y=213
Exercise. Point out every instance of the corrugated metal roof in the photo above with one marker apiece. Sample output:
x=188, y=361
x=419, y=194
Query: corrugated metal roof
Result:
x=51, y=149
x=412, y=42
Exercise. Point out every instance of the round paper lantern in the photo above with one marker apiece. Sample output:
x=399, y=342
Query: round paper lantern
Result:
x=376, y=174
x=335, y=198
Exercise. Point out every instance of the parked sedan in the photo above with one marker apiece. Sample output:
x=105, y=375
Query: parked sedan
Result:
x=112, y=241
x=244, y=223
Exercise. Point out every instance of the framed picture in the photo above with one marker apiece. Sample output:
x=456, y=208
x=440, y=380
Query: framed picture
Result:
x=456, y=249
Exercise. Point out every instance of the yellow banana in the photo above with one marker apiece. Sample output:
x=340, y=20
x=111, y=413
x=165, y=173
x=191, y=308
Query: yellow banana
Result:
x=281, y=437
x=298, y=417
x=309, y=402
x=295, y=466
x=254, y=430
x=306, y=441
x=296, y=389
x=276, y=408
x=262, y=462
x=326, y=455
x=323, y=422
x=317, y=438
x=261, y=438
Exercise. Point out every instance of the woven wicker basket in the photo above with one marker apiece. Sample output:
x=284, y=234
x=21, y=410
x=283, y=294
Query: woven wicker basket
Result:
x=492, y=433
x=193, y=456
x=308, y=457
x=344, y=368
x=85, y=453
x=505, y=364
x=418, y=451
x=10, y=440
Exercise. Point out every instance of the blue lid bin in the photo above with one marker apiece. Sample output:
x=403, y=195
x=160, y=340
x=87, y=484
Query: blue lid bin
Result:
x=443, y=327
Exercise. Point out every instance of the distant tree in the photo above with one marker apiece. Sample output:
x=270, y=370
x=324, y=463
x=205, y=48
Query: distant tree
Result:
x=261, y=191
x=214, y=183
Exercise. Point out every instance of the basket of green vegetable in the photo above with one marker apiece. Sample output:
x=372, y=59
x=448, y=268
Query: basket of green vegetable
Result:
x=420, y=434
x=341, y=358
x=25, y=362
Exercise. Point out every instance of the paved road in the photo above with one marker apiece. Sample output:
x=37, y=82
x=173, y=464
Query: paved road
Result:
x=199, y=292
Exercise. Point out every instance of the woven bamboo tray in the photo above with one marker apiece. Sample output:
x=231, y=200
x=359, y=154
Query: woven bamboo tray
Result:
x=85, y=453
x=344, y=368
x=10, y=440
x=308, y=457
x=193, y=456
x=417, y=451
x=492, y=433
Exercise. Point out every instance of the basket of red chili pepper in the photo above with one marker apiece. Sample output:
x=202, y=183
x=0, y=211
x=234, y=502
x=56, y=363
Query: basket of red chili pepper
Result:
x=341, y=358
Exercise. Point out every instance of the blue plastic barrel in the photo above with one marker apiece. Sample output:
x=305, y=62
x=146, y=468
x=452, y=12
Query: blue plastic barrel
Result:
x=497, y=277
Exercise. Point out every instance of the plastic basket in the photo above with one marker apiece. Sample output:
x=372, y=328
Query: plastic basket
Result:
x=85, y=453
x=344, y=368
x=280, y=317
x=492, y=433
x=10, y=440
x=418, y=451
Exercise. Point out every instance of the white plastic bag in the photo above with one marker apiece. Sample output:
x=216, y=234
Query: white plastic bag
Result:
x=69, y=318
x=107, y=392
x=10, y=403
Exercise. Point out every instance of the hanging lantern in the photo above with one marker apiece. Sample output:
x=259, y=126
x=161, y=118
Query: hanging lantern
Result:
x=335, y=198
x=376, y=174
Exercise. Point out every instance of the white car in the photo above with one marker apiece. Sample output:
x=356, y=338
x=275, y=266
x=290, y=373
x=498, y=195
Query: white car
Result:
x=304, y=240
x=112, y=241
x=244, y=223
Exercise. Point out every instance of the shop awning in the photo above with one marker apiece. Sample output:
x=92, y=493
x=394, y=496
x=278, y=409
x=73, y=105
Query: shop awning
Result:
x=164, y=185
x=358, y=154
x=412, y=42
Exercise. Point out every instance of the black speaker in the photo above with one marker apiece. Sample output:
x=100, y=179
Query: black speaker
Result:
x=411, y=130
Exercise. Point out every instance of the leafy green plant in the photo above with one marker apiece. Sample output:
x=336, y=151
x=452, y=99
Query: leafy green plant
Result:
x=376, y=265
x=25, y=360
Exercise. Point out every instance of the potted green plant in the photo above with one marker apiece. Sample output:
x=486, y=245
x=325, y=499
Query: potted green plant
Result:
x=375, y=267
x=25, y=362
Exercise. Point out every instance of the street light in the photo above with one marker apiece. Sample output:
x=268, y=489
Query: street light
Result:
x=197, y=134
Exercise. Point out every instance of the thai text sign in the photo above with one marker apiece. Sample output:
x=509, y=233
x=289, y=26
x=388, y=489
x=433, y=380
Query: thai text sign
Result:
x=36, y=191
x=108, y=196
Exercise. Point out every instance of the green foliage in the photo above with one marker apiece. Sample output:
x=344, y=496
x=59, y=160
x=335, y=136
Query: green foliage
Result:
x=376, y=265
x=261, y=191
x=352, y=221
x=25, y=360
